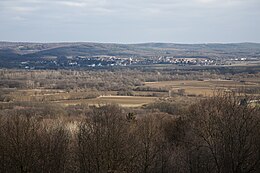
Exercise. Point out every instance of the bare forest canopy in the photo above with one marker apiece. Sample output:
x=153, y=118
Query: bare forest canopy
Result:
x=216, y=135
x=134, y=120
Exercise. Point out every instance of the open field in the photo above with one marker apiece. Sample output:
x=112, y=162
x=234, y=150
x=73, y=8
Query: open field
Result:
x=246, y=63
x=126, y=87
x=193, y=88
x=206, y=87
x=124, y=101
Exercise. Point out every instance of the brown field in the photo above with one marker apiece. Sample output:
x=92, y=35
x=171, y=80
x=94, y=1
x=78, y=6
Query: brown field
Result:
x=125, y=101
x=75, y=98
x=246, y=63
x=192, y=88
x=206, y=87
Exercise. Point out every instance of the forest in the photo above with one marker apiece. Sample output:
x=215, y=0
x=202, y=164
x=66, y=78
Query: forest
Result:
x=217, y=134
x=130, y=120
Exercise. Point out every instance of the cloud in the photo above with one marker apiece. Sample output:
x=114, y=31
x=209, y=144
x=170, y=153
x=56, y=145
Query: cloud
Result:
x=21, y=9
x=73, y=4
x=78, y=3
x=19, y=19
x=206, y=1
x=145, y=19
x=123, y=8
x=126, y=6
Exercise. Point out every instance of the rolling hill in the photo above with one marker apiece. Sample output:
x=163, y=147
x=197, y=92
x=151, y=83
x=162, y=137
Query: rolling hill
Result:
x=15, y=52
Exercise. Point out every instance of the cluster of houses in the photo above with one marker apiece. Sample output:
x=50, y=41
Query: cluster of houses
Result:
x=182, y=61
x=106, y=61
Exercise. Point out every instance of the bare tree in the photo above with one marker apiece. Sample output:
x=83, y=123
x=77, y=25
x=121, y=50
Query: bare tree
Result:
x=226, y=134
x=103, y=141
x=27, y=146
x=153, y=147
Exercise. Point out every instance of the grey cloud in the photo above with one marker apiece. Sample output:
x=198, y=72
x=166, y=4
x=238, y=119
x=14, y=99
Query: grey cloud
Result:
x=130, y=20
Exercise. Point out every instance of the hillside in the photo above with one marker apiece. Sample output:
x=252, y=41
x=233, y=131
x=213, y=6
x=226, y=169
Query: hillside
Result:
x=16, y=52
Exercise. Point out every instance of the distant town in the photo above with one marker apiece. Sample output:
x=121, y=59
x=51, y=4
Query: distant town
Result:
x=52, y=62
x=106, y=55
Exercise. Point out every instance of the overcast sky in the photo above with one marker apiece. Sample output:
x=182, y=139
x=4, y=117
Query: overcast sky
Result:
x=130, y=21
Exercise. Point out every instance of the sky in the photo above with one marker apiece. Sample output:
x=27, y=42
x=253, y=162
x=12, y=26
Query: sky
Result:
x=130, y=21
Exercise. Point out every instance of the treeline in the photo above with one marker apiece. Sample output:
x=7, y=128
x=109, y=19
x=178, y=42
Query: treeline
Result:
x=216, y=135
x=102, y=80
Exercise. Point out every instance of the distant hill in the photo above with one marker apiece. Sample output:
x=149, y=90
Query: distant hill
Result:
x=12, y=52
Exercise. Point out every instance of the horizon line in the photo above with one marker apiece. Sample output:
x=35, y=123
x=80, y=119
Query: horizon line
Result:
x=126, y=43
